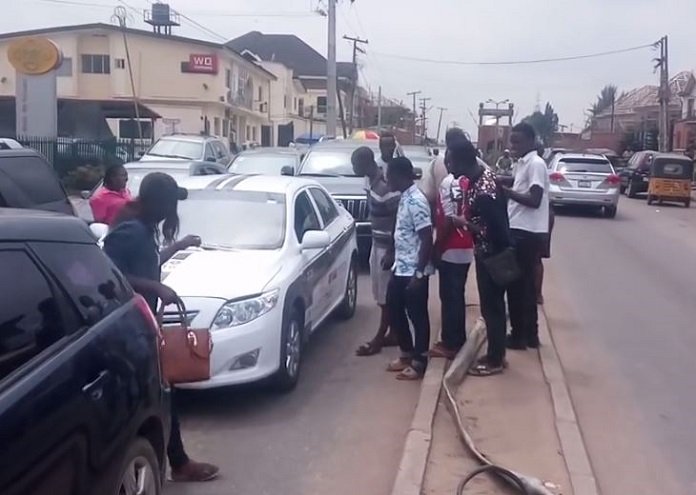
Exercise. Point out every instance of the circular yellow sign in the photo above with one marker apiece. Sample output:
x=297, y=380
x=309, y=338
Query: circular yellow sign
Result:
x=34, y=56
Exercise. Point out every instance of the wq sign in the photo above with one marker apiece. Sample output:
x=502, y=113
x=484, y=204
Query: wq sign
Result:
x=201, y=64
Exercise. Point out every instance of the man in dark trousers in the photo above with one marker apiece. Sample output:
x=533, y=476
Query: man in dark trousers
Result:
x=528, y=211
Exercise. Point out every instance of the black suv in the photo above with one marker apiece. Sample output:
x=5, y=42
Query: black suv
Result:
x=83, y=409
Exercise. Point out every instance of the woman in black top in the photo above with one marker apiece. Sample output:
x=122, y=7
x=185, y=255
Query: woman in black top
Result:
x=133, y=245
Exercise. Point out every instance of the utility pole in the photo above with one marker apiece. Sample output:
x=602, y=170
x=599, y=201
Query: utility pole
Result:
x=497, y=122
x=663, y=64
x=439, y=123
x=121, y=16
x=424, y=118
x=379, y=107
x=356, y=49
x=331, y=85
x=415, y=115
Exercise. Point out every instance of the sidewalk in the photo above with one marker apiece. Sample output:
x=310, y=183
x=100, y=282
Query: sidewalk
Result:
x=510, y=418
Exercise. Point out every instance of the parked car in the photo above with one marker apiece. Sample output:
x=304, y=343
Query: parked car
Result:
x=420, y=156
x=190, y=148
x=9, y=144
x=83, y=409
x=266, y=161
x=262, y=289
x=27, y=180
x=636, y=176
x=584, y=180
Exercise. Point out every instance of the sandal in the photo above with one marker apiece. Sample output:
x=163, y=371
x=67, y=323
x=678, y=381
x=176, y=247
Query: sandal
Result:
x=484, y=368
x=368, y=349
x=411, y=374
x=195, y=472
x=440, y=351
x=399, y=365
x=390, y=340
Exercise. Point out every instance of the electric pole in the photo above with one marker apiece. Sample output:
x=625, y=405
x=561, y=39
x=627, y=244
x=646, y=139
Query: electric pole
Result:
x=439, y=123
x=415, y=115
x=424, y=118
x=663, y=64
x=356, y=49
x=379, y=108
x=331, y=92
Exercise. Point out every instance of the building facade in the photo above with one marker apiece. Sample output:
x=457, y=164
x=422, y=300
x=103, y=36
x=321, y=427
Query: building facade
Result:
x=195, y=86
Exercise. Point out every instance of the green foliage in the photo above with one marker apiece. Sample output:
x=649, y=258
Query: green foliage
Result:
x=545, y=123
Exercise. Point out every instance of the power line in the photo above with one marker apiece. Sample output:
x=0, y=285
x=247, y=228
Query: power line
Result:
x=77, y=4
x=517, y=62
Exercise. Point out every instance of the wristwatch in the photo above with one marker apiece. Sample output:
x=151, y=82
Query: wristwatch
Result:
x=419, y=275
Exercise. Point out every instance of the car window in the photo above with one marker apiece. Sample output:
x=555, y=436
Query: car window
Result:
x=29, y=316
x=27, y=181
x=305, y=216
x=579, y=165
x=91, y=280
x=209, y=152
x=220, y=150
x=175, y=148
x=325, y=205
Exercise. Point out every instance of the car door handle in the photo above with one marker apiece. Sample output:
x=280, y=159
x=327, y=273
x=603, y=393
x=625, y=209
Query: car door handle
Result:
x=95, y=389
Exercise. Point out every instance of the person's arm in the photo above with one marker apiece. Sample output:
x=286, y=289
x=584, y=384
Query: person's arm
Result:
x=180, y=245
x=145, y=286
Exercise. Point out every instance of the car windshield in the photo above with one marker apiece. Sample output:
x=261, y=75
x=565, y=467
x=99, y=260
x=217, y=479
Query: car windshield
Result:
x=590, y=165
x=264, y=164
x=221, y=219
x=136, y=176
x=175, y=148
x=328, y=162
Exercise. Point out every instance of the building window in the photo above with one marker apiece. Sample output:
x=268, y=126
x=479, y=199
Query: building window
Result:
x=285, y=101
x=300, y=107
x=253, y=134
x=321, y=104
x=260, y=93
x=248, y=133
x=225, y=128
x=294, y=104
x=65, y=69
x=128, y=129
x=96, y=64
x=216, y=126
x=690, y=108
x=120, y=63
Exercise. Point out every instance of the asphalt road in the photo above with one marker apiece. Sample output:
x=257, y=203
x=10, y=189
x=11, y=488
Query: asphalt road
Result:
x=621, y=300
x=340, y=432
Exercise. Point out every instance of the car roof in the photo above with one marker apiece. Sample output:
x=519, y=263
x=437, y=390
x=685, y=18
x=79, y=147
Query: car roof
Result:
x=270, y=151
x=262, y=183
x=20, y=153
x=671, y=156
x=165, y=164
x=34, y=225
x=194, y=138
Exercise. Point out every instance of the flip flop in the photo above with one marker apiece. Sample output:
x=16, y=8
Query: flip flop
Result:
x=398, y=365
x=485, y=369
x=368, y=349
x=410, y=374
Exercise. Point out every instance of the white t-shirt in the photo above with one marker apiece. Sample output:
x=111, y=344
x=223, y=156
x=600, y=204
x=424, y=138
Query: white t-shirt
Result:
x=530, y=171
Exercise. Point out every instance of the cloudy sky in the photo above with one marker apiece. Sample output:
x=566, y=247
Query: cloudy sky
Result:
x=444, y=30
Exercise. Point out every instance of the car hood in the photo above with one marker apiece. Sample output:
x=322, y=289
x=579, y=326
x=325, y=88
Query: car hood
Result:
x=341, y=186
x=227, y=274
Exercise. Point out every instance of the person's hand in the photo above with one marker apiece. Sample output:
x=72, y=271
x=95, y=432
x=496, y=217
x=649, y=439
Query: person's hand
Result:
x=414, y=283
x=167, y=295
x=460, y=222
x=188, y=241
x=388, y=260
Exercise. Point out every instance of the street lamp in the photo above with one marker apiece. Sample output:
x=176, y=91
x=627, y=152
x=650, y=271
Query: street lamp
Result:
x=497, y=121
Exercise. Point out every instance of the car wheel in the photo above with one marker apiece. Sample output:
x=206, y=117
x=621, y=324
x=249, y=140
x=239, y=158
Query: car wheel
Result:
x=346, y=310
x=139, y=472
x=650, y=199
x=288, y=374
x=631, y=189
x=687, y=203
x=622, y=189
x=610, y=211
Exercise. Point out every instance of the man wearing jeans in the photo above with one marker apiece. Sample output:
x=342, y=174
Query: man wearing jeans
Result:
x=528, y=211
x=407, y=296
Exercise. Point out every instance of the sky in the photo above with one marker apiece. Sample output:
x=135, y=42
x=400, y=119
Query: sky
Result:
x=443, y=30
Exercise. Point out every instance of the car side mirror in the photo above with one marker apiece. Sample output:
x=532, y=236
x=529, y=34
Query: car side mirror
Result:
x=287, y=170
x=417, y=173
x=315, y=239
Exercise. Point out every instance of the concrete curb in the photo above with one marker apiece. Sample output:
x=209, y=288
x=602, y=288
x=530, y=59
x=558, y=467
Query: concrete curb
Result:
x=573, y=447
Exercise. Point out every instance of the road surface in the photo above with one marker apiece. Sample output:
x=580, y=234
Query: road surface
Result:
x=340, y=432
x=621, y=299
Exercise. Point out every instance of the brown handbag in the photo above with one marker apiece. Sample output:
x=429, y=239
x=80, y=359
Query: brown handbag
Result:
x=184, y=352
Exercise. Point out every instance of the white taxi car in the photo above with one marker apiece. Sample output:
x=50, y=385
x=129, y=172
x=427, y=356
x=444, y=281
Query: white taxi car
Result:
x=278, y=257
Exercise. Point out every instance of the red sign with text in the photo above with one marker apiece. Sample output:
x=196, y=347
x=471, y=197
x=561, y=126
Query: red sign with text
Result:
x=203, y=64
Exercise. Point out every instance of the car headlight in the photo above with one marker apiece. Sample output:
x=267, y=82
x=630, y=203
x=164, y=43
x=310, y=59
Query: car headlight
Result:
x=243, y=311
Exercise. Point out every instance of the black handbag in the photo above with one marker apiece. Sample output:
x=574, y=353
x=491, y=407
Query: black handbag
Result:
x=503, y=267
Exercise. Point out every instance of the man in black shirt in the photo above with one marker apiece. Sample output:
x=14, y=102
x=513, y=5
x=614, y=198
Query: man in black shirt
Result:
x=485, y=216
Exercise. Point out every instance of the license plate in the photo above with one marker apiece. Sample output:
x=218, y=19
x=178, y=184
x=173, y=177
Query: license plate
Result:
x=584, y=183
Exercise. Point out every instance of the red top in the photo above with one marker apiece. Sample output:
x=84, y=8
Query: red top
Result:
x=106, y=204
x=459, y=238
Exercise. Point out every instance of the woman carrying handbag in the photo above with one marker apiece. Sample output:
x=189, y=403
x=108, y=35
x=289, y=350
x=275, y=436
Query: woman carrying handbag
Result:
x=133, y=246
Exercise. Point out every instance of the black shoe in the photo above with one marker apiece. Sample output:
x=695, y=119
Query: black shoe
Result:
x=515, y=344
x=534, y=344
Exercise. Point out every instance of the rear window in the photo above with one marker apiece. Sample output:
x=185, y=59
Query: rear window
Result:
x=589, y=165
x=675, y=169
x=27, y=181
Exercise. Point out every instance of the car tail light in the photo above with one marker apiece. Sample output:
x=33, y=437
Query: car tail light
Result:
x=557, y=178
x=613, y=180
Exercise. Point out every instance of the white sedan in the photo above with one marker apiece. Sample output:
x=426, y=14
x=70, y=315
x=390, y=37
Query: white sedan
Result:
x=279, y=257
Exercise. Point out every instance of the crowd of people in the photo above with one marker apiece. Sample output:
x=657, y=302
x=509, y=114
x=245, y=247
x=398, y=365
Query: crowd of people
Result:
x=461, y=213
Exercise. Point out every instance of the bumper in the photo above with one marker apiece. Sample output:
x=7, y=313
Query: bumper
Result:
x=609, y=197
x=232, y=361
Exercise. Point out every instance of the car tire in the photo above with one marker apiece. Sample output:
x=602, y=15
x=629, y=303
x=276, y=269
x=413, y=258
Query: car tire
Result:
x=687, y=203
x=622, y=189
x=346, y=309
x=288, y=374
x=650, y=199
x=139, y=464
x=630, y=189
x=610, y=211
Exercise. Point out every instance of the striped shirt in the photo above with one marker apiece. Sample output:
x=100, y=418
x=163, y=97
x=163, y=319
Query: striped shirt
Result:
x=383, y=204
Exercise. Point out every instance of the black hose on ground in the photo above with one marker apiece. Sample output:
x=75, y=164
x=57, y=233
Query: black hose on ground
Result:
x=511, y=477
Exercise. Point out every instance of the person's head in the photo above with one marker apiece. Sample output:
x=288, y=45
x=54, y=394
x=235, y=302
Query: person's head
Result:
x=363, y=160
x=454, y=134
x=462, y=159
x=506, y=153
x=522, y=139
x=400, y=174
x=157, y=200
x=387, y=145
x=116, y=178
x=436, y=152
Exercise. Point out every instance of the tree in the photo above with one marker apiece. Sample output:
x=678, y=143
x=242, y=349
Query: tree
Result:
x=545, y=124
x=606, y=98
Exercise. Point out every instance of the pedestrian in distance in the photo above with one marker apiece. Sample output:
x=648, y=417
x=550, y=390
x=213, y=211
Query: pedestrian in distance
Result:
x=387, y=149
x=407, y=296
x=504, y=164
x=133, y=246
x=485, y=216
x=111, y=196
x=383, y=204
x=528, y=211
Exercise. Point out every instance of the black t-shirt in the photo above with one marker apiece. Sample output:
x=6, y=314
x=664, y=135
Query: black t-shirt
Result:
x=133, y=248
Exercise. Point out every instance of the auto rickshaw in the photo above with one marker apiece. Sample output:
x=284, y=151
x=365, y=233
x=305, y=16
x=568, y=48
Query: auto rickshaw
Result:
x=670, y=179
